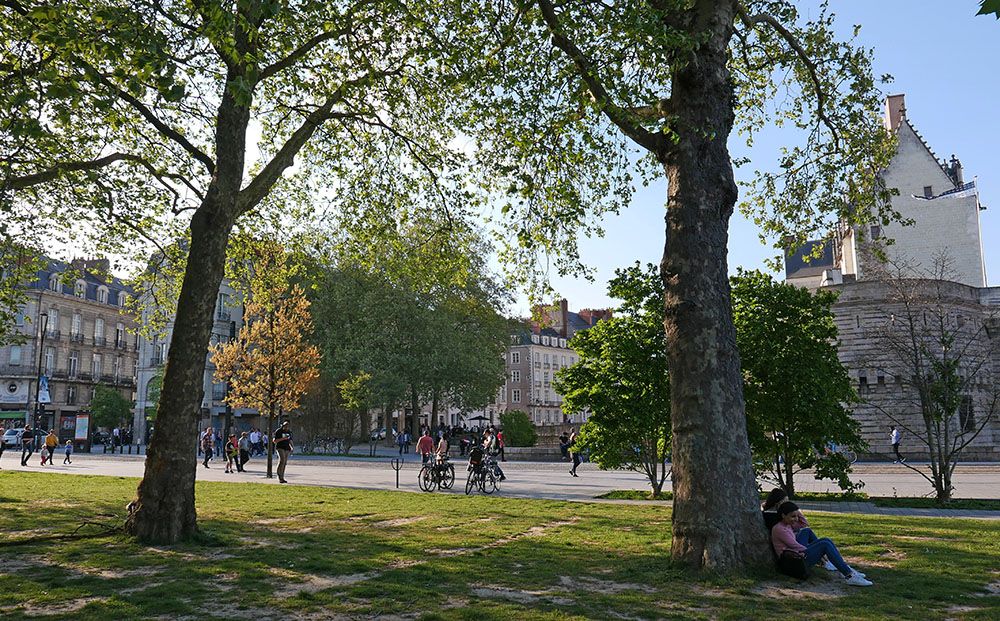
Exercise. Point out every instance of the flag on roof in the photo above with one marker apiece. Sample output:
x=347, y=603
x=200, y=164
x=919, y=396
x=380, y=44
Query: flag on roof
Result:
x=962, y=191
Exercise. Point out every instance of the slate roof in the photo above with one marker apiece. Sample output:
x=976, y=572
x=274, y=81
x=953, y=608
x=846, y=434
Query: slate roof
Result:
x=796, y=265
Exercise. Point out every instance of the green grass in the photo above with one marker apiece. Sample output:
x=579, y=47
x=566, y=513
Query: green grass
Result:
x=271, y=552
x=966, y=504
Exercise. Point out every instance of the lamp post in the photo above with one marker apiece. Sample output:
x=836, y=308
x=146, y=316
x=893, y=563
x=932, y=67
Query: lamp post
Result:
x=43, y=324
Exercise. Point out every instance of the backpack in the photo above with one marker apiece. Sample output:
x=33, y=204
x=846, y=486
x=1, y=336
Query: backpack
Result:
x=476, y=455
x=793, y=565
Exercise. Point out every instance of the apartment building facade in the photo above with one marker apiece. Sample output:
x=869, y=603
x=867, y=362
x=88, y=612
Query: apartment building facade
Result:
x=89, y=341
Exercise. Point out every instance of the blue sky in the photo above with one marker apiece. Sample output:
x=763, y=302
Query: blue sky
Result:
x=943, y=57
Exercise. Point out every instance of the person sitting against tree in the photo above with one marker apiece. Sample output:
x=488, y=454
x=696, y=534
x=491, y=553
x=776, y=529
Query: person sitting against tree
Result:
x=783, y=540
x=803, y=533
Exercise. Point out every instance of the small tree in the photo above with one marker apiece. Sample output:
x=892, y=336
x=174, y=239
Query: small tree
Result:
x=518, y=429
x=108, y=407
x=622, y=379
x=796, y=388
x=356, y=397
x=270, y=363
x=940, y=355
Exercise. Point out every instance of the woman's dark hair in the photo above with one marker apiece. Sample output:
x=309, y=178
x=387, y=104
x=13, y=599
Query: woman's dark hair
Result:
x=774, y=498
x=787, y=507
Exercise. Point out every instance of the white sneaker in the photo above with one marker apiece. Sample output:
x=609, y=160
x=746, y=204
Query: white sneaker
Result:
x=827, y=565
x=857, y=579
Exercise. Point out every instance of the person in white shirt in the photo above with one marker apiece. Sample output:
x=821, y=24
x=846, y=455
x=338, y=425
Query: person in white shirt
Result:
x=894, y=438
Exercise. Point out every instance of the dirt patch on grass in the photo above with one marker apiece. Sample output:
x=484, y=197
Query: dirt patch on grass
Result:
x=399, y=521
x=520, y=596
x=815, y=589
x=68, y=606
x=916, y=538
x=598, y=585
x=311, y=583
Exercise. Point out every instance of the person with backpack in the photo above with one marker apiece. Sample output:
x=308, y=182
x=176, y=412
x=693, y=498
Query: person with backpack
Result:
x=788, y=549
x=575, y=454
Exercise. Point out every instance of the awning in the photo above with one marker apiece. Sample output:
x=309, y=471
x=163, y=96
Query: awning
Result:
x=12, y=415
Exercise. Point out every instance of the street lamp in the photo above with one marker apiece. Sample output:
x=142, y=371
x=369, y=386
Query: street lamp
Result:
x=43, y=324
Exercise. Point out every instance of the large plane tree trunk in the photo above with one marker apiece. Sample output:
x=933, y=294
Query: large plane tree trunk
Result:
x=164, y=509
x=716, y=520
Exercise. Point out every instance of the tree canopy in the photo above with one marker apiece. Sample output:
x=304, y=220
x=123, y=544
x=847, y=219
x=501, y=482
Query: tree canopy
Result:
x=622, y=380
x=796, y=389
x=109, y=408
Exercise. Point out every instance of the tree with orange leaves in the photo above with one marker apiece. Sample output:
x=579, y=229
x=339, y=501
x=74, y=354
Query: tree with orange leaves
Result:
x=270, y=363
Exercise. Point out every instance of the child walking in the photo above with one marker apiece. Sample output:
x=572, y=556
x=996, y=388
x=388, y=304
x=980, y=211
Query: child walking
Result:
x=69, y=451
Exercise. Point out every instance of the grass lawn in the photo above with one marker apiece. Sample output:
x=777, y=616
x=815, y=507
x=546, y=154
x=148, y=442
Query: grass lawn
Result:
x=981, y=504
x=287, y=552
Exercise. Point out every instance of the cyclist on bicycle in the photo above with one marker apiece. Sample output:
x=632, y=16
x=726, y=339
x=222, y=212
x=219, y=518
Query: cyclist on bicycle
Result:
x=425, y=446
x=490, y=447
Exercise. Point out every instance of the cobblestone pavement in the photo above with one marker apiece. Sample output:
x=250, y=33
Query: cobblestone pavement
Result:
x=540, y=480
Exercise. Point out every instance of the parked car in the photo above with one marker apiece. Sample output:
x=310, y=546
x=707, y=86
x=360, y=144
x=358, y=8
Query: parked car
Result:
x=12, y=438
x=99, y=437
x=377, y=434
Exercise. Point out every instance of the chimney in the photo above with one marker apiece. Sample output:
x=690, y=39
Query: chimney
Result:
x=955, y=170
x=564, y=314
x=895, y=111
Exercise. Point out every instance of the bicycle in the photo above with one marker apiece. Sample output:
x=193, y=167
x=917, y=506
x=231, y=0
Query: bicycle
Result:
x=481, y=476
x=848, y=454
x=436, y=475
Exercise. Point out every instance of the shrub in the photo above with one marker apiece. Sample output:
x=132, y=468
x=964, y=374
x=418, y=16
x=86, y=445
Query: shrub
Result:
x=518, y=429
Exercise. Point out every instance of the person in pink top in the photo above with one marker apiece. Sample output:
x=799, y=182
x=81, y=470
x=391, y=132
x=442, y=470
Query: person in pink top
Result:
x=783, y=539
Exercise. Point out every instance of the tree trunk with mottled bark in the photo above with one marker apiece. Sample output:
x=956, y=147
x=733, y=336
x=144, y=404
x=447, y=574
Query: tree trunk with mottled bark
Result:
x=164, y=509
x=717, y=523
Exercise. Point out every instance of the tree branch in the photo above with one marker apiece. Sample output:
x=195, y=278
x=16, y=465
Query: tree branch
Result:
x=750, y=21
x=300, y=52
x=50, y=174
x=640, y=135
x=142, y=109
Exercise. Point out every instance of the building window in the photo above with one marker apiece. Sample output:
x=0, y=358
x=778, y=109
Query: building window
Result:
x=76, y=329
x=880, y=379
x=54, y=284
x=928, y=191
x=545, y=340
x=515, y=376
x=96, y=366
x=81, y=289
x=50, y=360
x=15, y=355
x=966, y=417
x=98, y=328
x=223, y=310
x=118, y=367
x=53, y=325
x=122, y=299
x=515, y=357
x=515, y=396
x=120, y=335
x=71, y=395
x=102, y=295
x=863, y=381
x=74, y=362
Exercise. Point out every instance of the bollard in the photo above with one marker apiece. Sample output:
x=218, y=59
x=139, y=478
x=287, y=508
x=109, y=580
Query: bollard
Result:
x=397, y=465
x=129, y=449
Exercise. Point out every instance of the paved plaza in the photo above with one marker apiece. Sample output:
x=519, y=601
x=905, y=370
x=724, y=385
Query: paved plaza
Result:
x=524, y=479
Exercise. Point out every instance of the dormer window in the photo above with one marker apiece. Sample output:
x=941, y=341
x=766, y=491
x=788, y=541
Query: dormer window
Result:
x=80, y=289
x=102, y=294
x=54, y=282
x=928, y=191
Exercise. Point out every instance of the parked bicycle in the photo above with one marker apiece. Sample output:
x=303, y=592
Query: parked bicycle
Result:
x=439, y=474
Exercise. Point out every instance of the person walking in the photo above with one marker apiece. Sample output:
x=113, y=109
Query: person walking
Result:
x=407, y=439
x=27, y=448
x=283, y=443
x=51, y=442
x=575, y=454
x=894, y=437
x=232, y=450
x=501, y=443
x=400, y=440
x=69, y=452
x=207, y=444
x=244, y=446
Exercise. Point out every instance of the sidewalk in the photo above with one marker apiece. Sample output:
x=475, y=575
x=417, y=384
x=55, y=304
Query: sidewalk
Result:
x=864, y=508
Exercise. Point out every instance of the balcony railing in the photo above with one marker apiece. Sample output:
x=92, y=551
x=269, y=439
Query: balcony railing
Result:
x=84, y=377
x=121, y=344
x=16, y=370
x=52, y=335
x=108, y=379
x=100, y=341
x=156, y=360
x=76, y=337
x=223, y=316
